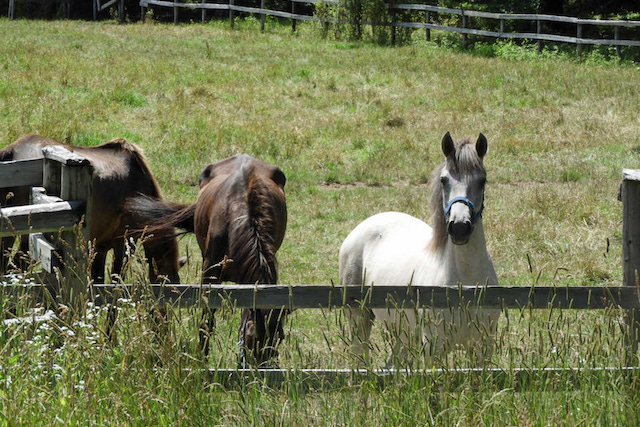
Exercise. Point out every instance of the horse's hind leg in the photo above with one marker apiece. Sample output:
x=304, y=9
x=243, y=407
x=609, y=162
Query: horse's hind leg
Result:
x=360, y=323
x=260, y=333
x=97, y=266
x=212, y=273
x=482, y=334
x=274, y=335
x=117, y=273
x=206, y=328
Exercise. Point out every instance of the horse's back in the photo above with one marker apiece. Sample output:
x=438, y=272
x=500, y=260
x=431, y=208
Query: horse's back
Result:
x=119, y=171
x=384, y=249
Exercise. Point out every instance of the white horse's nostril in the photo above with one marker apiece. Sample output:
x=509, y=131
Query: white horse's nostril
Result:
x=460, y=231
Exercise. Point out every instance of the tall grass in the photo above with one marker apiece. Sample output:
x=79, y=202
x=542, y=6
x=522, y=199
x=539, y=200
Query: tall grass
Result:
x=355, y=127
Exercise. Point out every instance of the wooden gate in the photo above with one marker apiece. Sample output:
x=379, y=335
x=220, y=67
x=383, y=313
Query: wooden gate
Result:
x=61, y=193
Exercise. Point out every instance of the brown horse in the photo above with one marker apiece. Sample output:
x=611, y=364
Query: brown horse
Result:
x=239, y=220
x=119, y=171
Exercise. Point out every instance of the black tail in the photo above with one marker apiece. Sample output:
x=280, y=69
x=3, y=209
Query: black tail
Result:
x=158, y=215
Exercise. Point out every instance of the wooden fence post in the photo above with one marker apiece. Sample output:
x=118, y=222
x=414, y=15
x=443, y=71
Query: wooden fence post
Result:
x=578, y=43
x=630, y=191
x=464, y=25
x=293, y=19
x=393, y=22
x=40, y=247
x=616, y=37
x=428, y=30
x=539, y=31
x=76, y=183
x=175, y=12
x=204, y=12
x=263, y=17
x=51, y=171
x=121, y=11
x=12, y=9
x=143, y=11
x=231, y=17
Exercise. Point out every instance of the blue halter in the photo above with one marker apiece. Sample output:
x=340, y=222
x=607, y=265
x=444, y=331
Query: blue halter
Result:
x=475, y=215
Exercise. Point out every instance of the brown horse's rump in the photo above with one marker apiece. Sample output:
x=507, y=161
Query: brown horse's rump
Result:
x=239, y=220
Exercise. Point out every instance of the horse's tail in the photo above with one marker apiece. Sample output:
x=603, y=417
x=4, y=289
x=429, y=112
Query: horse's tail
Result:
x=159, y=215
x=252, y=231
x=252, y=246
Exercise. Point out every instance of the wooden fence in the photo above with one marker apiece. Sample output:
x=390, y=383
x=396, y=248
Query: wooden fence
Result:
x=464, y=28
x=69, y=176
x=61, y=194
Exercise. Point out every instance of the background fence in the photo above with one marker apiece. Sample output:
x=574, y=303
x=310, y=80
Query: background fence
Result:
x=535, y=27
x=464, y=27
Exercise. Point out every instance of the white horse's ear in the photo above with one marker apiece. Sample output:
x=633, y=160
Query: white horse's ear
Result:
x=448, y=147
x=482, y=145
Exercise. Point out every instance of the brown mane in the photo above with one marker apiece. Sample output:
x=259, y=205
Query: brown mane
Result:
x=466, y=161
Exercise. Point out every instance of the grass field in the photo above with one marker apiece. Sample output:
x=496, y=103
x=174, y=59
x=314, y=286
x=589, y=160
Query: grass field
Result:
x=356, y=128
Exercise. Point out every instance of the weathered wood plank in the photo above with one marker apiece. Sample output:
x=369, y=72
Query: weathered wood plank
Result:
x=43, y=218
x=64, y=156
x=51, y=176
x=271, y=13
x=20, y=172
x=631, y=174
x=106, y=5
x=209, y=6
x=527, y=36
x=77, y=184
x=630, y=189
x=517, y=16
x=309, y=296
x=43, y=252
x=39, y=196
x=516, y=378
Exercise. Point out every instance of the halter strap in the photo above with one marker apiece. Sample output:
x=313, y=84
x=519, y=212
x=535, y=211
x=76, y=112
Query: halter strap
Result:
x=475, y=215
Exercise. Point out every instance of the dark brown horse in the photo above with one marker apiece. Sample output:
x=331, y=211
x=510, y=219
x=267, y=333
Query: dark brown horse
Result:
x=239, y=220
x=119, y=172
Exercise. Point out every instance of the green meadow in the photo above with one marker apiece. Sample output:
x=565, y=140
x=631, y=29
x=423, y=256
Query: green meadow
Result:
x=356, y=128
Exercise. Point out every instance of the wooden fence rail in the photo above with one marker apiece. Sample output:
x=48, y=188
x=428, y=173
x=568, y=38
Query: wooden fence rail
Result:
x=519, y=379
x=463, y=29
x=329, y=297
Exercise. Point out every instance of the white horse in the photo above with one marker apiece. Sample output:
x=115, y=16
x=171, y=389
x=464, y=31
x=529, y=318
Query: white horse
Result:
x=394, y=248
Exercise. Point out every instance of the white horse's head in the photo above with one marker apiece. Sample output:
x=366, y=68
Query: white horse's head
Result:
x=462, y=180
